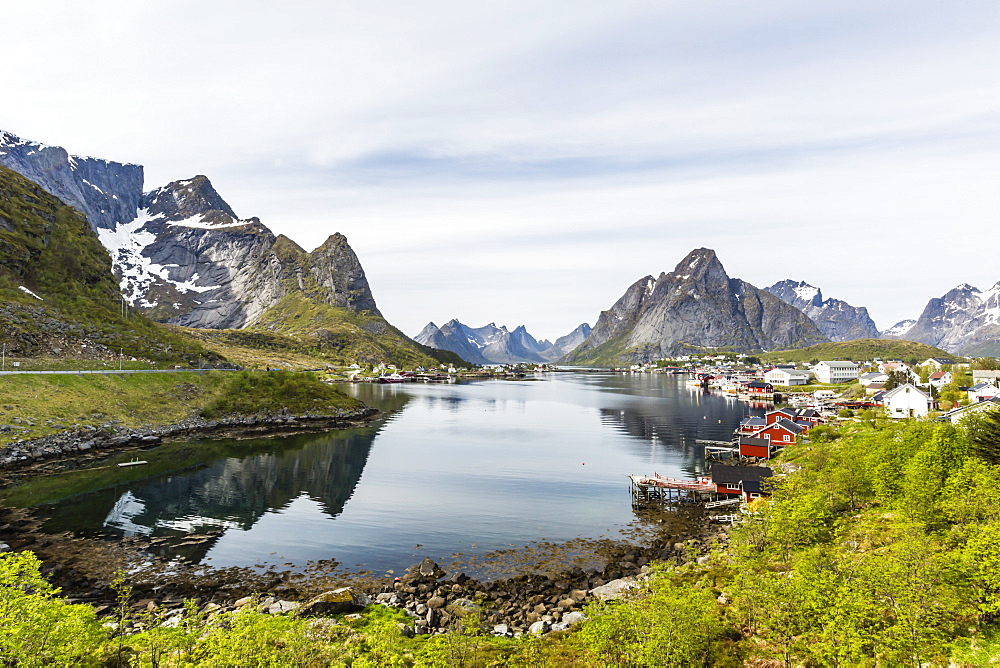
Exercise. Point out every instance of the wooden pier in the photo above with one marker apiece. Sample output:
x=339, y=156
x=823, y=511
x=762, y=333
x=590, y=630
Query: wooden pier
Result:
x=659, y=491
x=719, y=449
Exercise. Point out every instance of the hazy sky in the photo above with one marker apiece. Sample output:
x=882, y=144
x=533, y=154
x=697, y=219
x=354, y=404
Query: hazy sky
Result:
x=525, y=162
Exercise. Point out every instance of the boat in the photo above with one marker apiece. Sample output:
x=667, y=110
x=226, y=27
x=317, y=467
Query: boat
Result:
x=134, y=462
x=391, y=378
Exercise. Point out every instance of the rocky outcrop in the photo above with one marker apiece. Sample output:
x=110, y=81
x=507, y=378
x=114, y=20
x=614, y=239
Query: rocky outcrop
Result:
x=695, y=307
x=836, y=319
x=491, y=344
x=965, y=321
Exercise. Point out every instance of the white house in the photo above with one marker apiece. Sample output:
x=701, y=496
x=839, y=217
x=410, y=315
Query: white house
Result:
x=979, y=408
x=982, y=392
x=867, y=379
x=939, y=378
x=937, y=362
x=906, y=401
x=787, y=377
x=835, y=372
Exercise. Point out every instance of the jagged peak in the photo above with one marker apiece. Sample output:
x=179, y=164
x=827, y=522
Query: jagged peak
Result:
x=285, y=244
x=699, y=264
x=335, y=240
x=189, y=198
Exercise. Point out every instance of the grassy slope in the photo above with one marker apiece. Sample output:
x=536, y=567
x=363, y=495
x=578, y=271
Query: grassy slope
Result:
x=49, y=248
x=137, y=399
x=860, y=349
x=337, y=335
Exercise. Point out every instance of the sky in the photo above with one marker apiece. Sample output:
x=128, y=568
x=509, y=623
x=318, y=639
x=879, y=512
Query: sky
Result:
x=525, y=162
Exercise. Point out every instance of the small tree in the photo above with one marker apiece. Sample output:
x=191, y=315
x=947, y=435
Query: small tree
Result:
x=985, y=436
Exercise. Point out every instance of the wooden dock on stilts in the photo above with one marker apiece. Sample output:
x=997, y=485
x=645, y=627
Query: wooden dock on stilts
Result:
x=660, y=491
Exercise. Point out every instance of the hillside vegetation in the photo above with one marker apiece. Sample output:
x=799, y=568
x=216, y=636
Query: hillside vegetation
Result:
x=858, y=349
x=38, y=405
x=49, y=248
x=336, y=335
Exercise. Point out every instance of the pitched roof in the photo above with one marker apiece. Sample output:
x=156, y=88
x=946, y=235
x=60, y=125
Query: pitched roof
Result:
x=789, y=425
x=722, y=473
x=938, y=375
x=897, y=390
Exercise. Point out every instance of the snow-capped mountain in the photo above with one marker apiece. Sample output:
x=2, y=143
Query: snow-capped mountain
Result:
x=491, y=344
x=965, y=321
x=838, y=320
x=180, y=252
x=899, y=330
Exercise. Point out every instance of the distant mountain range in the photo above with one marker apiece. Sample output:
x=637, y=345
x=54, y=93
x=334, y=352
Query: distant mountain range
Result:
x=836, y=319
x=964, y=321
x=491, y=344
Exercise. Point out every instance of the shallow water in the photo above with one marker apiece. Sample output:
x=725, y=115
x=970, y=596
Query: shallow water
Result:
x=451, y=468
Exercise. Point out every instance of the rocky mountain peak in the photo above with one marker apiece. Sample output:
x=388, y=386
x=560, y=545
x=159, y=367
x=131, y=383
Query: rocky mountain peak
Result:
x=700, y=266
x=192, y=200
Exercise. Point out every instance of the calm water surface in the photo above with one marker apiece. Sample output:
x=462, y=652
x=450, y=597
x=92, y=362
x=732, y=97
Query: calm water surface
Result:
x=451, y=468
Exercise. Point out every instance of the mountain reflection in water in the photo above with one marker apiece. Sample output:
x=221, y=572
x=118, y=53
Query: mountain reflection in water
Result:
x=465, y=468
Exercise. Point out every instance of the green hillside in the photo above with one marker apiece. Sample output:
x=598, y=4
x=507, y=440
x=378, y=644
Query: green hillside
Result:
x=48, y=248
x=307, y=327
x=859, y=349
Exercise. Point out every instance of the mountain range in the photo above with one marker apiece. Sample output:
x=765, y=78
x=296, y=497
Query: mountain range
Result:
x=183, y=257
x=965, y=321
x=836, y=319
x=491, y=344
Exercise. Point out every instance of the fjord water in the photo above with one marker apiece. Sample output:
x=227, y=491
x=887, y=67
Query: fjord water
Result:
x=450, y=468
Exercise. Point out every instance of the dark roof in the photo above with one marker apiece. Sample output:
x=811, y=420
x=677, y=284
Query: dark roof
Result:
x=808, y=413
x=723, y=474
x=753, y=486
x=786, y=411
x=757, y=384
x=753, y=421
x=789, y=425
x=750, y=440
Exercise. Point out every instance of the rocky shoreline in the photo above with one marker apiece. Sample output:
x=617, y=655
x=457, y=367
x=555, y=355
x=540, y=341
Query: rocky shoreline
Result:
x=89, y=442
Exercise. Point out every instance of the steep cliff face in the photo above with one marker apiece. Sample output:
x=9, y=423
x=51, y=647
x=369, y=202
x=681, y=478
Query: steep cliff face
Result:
x=836, y=319
x=695, y=306
x=965, y=321
x=104, y=191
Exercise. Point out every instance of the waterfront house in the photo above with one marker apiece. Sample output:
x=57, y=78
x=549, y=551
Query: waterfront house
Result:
x=835, y=372
x=752, y=447
x=749, y=425
x=746, y=481
x=906, y=401
x=781, y=432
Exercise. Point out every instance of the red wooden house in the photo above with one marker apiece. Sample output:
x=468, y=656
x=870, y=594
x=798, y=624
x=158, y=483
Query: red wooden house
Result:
x=780, y=432
x=746, y=481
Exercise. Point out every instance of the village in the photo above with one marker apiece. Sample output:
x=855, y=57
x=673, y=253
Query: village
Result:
x=792, y=400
